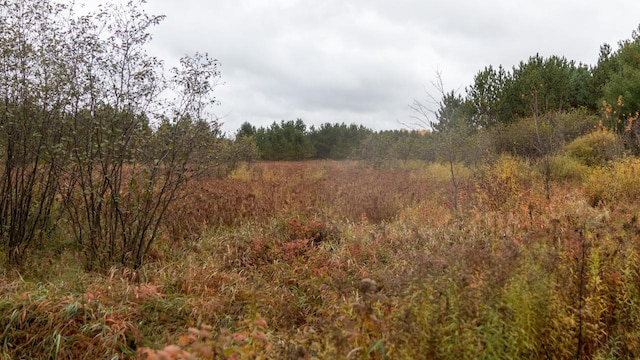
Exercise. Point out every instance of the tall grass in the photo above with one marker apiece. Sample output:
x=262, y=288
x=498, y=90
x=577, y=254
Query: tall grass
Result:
x=334, y=260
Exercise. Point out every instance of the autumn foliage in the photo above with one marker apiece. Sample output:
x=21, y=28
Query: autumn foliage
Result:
x=337, y=260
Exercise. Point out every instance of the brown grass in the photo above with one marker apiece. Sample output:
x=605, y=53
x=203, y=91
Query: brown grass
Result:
x=342, y=190
x=335, y=260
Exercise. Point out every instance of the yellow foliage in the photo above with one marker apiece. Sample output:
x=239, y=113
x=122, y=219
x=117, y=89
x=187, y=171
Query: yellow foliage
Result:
x=595, y=148
x=437, y=172
x=242, y=172
x=503, y=182
x=615, y=183
x=565, y=168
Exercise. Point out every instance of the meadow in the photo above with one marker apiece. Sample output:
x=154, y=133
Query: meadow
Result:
x=342, y=260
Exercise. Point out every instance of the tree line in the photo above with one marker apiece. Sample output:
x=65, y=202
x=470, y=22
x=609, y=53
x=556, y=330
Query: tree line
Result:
x=528, y=110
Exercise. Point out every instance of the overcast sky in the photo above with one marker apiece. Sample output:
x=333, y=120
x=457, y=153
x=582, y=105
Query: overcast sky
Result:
x=365, y=61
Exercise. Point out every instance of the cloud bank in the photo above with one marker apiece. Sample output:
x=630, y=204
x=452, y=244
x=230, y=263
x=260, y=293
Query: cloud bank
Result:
x=364, y=61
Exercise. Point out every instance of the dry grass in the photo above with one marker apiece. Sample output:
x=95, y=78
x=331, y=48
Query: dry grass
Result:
x=335, y=260
x=343, y=190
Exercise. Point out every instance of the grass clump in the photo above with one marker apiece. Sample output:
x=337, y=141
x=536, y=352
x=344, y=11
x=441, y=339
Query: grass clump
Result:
x=105, y=321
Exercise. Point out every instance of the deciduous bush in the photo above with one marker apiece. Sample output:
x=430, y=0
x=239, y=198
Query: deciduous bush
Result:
x=565, y=168
x=502, y=182
x=595, y=148
x=615, y=183
x=554, y=129
x=80, y=106
x=521, y=138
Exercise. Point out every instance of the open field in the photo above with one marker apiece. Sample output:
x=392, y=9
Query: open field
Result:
x=337, y=260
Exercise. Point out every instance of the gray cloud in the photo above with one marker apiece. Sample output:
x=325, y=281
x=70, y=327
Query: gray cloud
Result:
x=364, y=61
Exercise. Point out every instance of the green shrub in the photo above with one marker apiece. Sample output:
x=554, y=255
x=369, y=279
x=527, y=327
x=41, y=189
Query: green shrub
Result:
x=521, y=137
x=574, y=123
x=594, y=149
x=565, y=168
